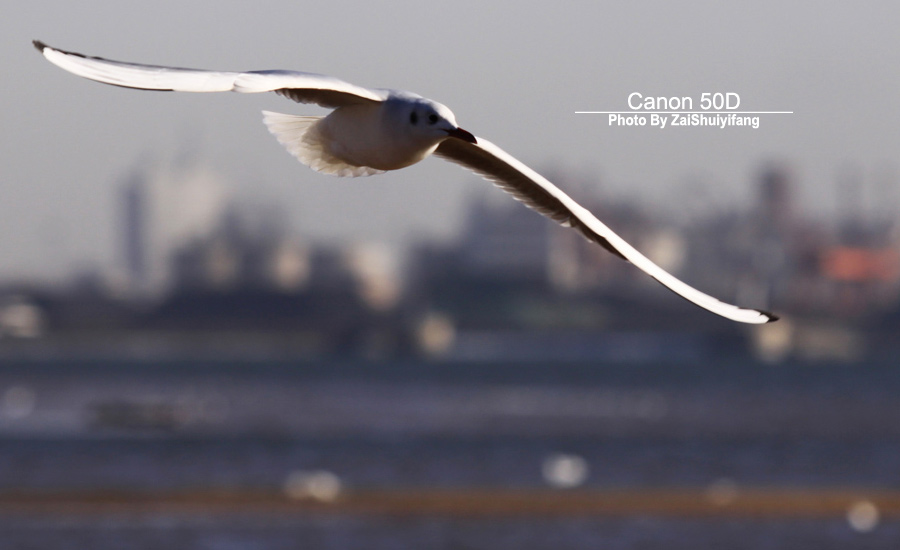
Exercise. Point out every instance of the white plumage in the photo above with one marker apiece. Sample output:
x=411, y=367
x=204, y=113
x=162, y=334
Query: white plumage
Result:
x=371, y=131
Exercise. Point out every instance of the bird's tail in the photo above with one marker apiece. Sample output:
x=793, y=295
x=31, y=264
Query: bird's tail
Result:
x=300, y=136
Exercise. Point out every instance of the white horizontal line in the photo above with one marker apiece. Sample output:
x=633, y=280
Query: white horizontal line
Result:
x=683, y=112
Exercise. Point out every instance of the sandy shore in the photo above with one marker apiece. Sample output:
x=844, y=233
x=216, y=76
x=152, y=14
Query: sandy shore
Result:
x=714, y=502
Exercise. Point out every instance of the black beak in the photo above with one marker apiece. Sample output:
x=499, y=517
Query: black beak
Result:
x=459, y=133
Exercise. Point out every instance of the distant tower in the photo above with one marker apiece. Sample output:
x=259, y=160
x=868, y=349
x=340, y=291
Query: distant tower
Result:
x=850, y=204
x=771, y=256
x=775, y=199
x=134, y=202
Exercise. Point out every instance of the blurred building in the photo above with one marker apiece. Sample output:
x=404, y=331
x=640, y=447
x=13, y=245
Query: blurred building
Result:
x=514, y=281
x=245, y=249
x=165, y=205
x=134, y=235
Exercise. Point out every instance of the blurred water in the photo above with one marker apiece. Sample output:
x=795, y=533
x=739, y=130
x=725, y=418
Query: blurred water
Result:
x=173, y=463
x=274, y=532
x=184, y=425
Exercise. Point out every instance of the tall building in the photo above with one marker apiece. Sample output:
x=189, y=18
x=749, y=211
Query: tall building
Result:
x=775, y=201
x=134, y=234
x=505, y=241
x=165, y=206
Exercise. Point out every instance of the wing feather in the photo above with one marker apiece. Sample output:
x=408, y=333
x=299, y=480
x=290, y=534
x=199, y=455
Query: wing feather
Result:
x=536, y=192
x=302, y=87
x=484, y=158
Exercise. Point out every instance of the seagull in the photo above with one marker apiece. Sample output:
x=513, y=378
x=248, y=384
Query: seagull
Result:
x=371, y=131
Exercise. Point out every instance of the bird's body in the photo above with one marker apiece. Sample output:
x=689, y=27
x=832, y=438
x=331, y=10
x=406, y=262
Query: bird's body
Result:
x=359, y=139
x=350, y=131
x=371, y=131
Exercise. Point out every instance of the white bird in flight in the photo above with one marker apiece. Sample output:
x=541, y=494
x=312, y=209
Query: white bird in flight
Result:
x=371, y=131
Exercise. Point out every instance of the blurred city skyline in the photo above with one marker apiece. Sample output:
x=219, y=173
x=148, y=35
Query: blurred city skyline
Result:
x=517, y=78
x=194, y=265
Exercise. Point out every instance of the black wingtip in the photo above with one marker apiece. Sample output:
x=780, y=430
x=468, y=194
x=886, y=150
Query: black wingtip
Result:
x=40, y=46
x=771, y=316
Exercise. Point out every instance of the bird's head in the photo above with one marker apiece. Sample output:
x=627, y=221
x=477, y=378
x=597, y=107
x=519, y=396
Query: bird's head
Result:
x=432, y=120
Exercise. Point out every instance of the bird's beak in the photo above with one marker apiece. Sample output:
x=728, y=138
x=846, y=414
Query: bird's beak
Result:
x=459, y=133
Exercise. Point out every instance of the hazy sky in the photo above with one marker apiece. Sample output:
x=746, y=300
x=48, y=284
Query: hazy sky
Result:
x=513, y=72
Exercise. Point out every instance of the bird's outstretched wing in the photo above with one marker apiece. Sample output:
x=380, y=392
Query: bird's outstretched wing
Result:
x=536, y=192
x=483, y=158
x=302, y=87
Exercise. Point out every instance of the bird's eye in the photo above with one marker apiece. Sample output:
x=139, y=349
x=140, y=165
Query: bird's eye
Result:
x=413, y=118
x=432, y=118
